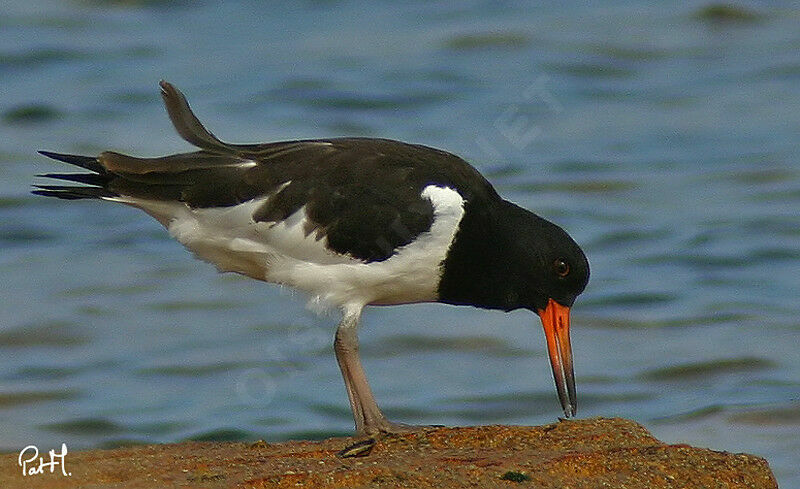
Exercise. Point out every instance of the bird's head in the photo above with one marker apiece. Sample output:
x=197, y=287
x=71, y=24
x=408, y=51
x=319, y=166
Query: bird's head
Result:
x=559, y=273
x=505, y=257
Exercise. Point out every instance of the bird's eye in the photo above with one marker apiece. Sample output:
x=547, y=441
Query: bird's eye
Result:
x=561, y=267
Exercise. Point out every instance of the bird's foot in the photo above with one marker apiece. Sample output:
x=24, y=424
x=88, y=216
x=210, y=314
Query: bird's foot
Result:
x=386, y=427
x=376, y=431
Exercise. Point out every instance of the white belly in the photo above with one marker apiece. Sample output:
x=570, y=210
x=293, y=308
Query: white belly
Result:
x=281, y=252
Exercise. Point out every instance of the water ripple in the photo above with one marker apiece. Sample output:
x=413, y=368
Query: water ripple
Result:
x=712, y=367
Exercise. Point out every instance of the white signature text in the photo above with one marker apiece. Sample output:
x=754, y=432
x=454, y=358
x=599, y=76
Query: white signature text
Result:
x=28, y=461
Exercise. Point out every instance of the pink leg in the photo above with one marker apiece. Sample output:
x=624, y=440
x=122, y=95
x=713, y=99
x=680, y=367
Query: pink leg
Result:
x=368, y=416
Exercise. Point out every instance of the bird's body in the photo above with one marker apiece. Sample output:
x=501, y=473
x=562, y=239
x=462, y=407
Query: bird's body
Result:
x=352, y=222
x=285, y=252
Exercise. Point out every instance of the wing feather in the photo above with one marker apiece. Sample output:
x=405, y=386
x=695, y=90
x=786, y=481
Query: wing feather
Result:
x=186, y=123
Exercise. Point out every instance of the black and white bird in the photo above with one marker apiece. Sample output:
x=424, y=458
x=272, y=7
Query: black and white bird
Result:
x=353, y=222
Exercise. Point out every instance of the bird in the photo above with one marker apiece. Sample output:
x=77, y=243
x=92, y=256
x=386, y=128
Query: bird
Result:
x=353, y=222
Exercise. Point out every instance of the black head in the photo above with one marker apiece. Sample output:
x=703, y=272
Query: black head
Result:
x=504, y=257
x=551, y=264
x=509, y=258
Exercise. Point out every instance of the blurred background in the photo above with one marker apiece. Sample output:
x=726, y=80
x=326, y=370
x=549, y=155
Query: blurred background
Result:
x=662, y=135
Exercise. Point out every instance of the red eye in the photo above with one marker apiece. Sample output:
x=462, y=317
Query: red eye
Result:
x=561, y=268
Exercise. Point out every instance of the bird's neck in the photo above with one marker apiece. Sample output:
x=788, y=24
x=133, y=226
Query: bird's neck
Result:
x=477, y=270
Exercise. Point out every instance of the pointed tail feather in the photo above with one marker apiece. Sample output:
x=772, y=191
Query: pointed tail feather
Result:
x=87, y=178
x=97, y=181
x=88, y=162
x=72, y=192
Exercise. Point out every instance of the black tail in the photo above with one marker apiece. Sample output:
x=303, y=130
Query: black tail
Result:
x=96, y=181
x=88, y=162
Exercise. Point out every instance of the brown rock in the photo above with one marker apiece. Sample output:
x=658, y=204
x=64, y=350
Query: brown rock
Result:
x=592, y=453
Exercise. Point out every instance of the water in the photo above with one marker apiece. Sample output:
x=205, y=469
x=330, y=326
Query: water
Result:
x=663, y=137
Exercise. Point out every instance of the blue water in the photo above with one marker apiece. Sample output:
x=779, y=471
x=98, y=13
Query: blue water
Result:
x=663, y=137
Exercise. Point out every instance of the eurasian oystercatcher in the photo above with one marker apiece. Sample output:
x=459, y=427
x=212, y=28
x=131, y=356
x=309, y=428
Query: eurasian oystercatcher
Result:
x=353, y=222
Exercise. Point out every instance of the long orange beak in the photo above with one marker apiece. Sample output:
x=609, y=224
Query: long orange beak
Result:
x=555, y=319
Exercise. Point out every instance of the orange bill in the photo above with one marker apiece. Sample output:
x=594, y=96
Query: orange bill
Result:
x=555, y=319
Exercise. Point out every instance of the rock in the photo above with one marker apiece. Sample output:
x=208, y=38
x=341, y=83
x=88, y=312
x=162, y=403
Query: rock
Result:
x=590, y=453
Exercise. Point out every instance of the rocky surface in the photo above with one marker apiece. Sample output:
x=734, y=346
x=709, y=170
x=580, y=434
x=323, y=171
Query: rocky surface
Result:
x=591, y=453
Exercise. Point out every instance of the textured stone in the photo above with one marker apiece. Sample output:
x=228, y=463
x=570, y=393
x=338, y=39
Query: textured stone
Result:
x=591, y=453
